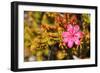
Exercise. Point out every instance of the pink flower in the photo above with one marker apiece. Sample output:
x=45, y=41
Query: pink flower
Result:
x=72, y=35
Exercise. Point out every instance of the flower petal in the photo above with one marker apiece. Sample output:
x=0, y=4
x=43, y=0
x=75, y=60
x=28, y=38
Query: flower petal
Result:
x=70, y=43
x=78, y=34
x=76, y=28
x=70, y=28
x=65, y=40
x=77, y=41
x=65, y=34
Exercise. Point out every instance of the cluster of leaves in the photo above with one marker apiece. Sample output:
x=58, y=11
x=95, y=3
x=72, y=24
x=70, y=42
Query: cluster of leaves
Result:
x=43, y=40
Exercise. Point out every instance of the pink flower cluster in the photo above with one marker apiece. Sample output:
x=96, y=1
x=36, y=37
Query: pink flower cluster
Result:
x=72, y=35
